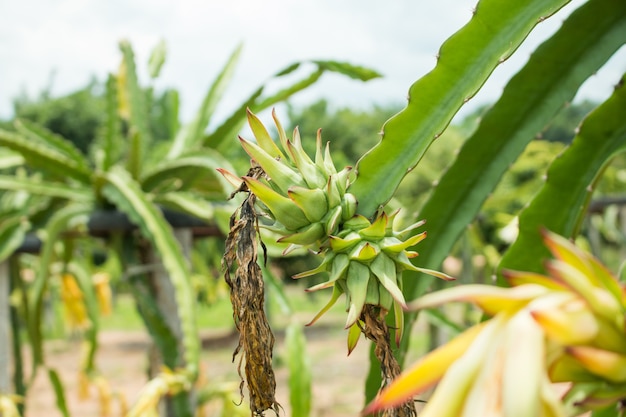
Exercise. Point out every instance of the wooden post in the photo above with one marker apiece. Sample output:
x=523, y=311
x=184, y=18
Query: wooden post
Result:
x=164, y=294
x=5, y=329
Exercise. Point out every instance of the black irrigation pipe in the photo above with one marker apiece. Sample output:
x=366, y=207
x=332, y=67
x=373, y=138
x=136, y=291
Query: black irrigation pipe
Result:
x=101, y=223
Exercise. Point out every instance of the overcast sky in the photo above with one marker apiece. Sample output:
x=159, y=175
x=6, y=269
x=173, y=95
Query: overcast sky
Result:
x=77, y=39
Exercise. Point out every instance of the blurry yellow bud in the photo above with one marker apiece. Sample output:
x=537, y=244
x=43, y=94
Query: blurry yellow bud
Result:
x=121, y=398
x=104, y=396
x=166, y=383
x=74, y=303
x=8, y=405
x=103, y=292
x=123, y=101
x=83, y=385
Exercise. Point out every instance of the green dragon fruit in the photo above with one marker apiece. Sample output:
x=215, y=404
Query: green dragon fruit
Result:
x=310, y=204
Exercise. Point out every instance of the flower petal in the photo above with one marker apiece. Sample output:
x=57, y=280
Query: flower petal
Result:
x=280, y=174
x=233, y=179
x=604, y=363
x=263, y=137
x=489, y=298
x=385, y=270
x=517, y=278
x=567, y=369
x=282, y=208
x=451, y=394
x=600, y=300
x=426, y=372
x=333, y=299
x=523, y=367
x=354, y=334
x=358, y=276
x=568, y=322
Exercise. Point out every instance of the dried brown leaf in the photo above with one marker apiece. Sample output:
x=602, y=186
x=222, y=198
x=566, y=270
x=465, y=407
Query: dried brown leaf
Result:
x=247, y=295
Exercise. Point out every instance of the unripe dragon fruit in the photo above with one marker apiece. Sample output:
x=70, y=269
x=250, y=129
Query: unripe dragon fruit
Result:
x=310, y=203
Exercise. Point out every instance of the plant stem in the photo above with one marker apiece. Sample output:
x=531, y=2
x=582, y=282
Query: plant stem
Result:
x=377, y=331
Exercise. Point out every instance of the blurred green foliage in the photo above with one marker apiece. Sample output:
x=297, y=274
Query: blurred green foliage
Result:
x=80, y=115
x=563, y=126
x=77, y=115
x=351, y=132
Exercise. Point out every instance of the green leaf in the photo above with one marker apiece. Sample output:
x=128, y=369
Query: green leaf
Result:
x=288, y=70
x=47, y=138
x=299, y=371
x=59, y=392
x=139, y=124
x=135, y=155
x=13, y=228
x=10, y=159
x=562, y=202
x=155, y=321
x=184, y=202
x=610, y=411
x=171, y=118
x=337, y=291
x=385, y=270
x=439, y=319
x=45, y=158
x=277, y=289
x=197, y=169
x=465, y=62
x=157, y=59
x=226, y=133
x=373, y=379
x=532, y=97
x=191, y=135
x=110, y=145
x=128, y=197
x=353, y=71
x=289, y=91
x=59, y=222
x=45, y=188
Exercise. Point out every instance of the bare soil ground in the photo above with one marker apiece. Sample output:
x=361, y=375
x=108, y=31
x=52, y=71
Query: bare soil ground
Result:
x=338, y=380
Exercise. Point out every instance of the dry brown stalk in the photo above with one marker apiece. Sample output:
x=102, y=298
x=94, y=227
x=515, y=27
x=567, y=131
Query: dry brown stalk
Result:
x=247, y=294
x=376, y=330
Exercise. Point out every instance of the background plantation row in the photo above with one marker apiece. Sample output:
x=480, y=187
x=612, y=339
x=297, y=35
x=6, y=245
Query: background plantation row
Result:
x=111, y=203
x=79, y=116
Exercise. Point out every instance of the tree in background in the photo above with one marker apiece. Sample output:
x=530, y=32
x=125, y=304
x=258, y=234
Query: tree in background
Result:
x=77, y=115
x=80, y=115
x=564, y=124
